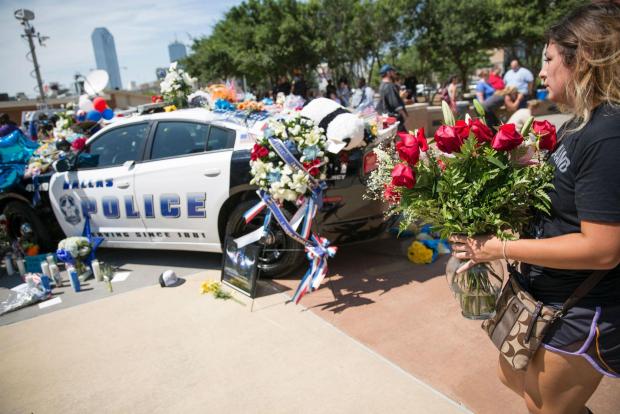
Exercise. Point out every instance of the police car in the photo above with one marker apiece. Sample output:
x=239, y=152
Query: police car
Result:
x=180, y=181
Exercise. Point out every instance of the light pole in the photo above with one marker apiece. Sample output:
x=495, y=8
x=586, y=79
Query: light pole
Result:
x=24, y=16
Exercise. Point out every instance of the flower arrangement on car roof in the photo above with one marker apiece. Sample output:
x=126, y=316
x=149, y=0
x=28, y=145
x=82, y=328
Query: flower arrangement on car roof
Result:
x=176, y=86
x=306, y=142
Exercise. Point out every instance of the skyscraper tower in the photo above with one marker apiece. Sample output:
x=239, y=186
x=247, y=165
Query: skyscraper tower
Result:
x=105, y=56
x=177, y=51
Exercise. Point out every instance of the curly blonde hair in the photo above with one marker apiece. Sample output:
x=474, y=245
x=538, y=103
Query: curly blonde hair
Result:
x=588, y=39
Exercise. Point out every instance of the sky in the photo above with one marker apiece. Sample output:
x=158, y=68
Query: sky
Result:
x=142, y=30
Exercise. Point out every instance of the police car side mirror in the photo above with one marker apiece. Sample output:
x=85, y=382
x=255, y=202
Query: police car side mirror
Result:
x=62, y=165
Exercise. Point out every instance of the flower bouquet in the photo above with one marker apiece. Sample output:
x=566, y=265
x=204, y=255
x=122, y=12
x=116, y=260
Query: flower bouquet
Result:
x=176, y=86
x=304, y=140
x=471, y=181
x=75, y=251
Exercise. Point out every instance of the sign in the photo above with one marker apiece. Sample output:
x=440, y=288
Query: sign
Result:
x=240, y=267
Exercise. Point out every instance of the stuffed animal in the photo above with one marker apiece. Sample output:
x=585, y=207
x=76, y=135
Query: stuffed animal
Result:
x=343, y=129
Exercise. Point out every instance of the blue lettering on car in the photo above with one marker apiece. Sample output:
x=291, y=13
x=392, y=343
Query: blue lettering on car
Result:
x=130, y=209
x=149, y=210
x=169, y=205
x=196, y=205
x=110, y=207
x=89, y=206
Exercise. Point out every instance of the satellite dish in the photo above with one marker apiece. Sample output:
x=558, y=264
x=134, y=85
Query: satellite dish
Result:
x=96, y=81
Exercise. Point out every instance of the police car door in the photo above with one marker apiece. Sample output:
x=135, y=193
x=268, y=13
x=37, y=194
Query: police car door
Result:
x=184, y=183
x=102, y=186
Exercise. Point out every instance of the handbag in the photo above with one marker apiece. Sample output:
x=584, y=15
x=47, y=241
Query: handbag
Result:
x=521, y=322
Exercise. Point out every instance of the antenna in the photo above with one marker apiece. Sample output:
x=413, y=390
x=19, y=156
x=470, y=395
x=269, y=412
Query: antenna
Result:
x=25, y=16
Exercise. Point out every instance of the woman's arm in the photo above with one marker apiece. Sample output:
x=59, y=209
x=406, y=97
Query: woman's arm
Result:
x=480, y=96
x=597, y=246
x=511, y=105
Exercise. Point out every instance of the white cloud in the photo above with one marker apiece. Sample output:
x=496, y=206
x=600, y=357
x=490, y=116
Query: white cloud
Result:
x=142, y=30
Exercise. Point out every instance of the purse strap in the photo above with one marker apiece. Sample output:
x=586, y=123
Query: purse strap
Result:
x=583, y=289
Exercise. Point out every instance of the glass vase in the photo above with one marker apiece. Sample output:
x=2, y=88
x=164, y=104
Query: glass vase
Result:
x=476, y=289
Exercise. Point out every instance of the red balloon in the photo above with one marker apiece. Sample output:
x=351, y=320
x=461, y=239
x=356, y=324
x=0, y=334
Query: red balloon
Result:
x=99, y=104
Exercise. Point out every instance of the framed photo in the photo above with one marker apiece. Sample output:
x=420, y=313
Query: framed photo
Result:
x=240, y=267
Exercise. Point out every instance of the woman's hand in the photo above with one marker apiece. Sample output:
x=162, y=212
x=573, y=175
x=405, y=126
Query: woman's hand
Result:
x=475, y=250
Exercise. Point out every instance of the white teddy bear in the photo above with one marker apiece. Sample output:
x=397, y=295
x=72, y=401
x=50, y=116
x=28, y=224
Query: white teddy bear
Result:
x=343, y=129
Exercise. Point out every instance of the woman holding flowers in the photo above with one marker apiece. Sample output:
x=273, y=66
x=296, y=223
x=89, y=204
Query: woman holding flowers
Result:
x=581, y=71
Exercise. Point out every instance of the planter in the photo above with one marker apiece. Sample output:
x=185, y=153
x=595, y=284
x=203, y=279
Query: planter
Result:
x=476, y=289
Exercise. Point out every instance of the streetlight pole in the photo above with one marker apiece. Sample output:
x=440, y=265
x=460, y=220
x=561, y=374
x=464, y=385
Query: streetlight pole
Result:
x=24, y=16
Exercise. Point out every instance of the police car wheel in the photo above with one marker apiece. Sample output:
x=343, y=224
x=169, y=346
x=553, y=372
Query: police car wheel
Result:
x=281, y=255
x=19, y=216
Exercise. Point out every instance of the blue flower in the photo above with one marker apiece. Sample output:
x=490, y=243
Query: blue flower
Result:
x=310, y=153
x=274, y=176
x=223, y=105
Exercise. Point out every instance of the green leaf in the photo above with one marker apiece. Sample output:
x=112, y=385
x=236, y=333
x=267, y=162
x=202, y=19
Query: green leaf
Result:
x=479, y=108
x=496, y=162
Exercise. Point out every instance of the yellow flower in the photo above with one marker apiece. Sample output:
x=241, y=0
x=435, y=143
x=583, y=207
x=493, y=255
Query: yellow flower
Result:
x=209, y=286
x=170, y=108
x=420, y=254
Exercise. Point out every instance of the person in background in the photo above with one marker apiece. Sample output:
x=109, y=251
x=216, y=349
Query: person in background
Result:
x=363, y=96
x=520, y=117
x=521, y=78
x=449, y=92
x=495, y=79
x=390, y=101
x=582, y=232
x=411, y=84
x=299, y=87
x=330, y=89
x=344, y=92
x=283, y=85
x=508, y=97
x=483, y=90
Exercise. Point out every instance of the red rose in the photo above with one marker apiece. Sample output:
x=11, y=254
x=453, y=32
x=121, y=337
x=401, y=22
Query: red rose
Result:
x=313, y=167
x=391, y=195
x=258, y=152
x=403, y=176
x=482, y=132
x=450, y=138
x=547, y=138
x=421, y=137
x=507, y=138
x=78, y=144
x=408, y=149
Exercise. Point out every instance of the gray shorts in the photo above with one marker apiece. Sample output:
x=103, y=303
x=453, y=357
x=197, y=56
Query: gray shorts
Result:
x=590, y=332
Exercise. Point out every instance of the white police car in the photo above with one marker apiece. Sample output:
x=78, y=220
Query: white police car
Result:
x=179, y=181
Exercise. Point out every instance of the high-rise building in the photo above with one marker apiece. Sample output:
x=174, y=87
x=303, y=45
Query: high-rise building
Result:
x=177, y=51
x=105, y=56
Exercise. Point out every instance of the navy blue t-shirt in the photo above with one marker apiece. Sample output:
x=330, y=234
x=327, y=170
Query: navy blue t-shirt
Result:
x=587, y=187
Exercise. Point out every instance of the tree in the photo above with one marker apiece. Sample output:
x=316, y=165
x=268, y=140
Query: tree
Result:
x=453, y=34
x=523, y=24
x=257, y=39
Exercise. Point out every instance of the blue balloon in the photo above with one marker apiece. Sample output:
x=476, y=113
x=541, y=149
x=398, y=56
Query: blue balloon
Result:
x=81, y=117
x=93, y=116
x=107, y=114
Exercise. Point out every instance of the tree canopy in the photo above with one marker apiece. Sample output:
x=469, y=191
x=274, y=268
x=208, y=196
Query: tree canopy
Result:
x=263, y=39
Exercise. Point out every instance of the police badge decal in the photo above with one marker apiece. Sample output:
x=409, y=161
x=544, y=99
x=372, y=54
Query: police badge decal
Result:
x=69, y=209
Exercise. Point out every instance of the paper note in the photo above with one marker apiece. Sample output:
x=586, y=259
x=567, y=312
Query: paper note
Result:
x=56, y=301
x=120, y=276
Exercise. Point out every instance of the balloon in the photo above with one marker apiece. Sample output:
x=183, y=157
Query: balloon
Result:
x=85, y=104
x=81, y=115
x=99, y=104
x=107, y=114
x=93, y=116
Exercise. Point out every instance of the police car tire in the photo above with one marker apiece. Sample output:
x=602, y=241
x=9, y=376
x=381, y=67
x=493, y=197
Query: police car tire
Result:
x=292, y=256
x=17, y=213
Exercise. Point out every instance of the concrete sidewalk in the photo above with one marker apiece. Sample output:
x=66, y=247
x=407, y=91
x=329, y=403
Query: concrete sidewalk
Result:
x=155, y=350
